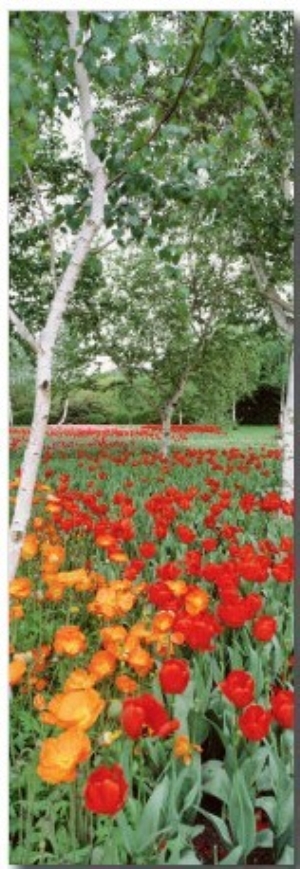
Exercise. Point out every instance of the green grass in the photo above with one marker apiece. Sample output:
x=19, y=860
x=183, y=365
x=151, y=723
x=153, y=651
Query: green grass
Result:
x=246, y=436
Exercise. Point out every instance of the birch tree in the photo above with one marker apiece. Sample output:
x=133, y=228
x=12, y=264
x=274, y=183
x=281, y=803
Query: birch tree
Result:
x=43, y=344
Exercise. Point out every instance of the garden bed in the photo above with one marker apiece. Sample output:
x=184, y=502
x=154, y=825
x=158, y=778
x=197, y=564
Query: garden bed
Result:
x=151, y=658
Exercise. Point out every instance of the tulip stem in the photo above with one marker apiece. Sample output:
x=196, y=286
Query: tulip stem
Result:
x=73, y=819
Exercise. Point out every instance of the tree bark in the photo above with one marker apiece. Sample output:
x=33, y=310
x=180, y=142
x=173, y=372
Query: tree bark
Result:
x=31, y=460
x=288, y=437
x=46, y=342
x=167, y=413
x=284, y=316
x=64, y=413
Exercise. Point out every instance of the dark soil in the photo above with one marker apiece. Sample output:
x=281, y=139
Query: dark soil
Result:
x=208, y=845
x=210, y=848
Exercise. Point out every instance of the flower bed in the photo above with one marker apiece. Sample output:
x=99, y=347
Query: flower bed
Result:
x=151, y=657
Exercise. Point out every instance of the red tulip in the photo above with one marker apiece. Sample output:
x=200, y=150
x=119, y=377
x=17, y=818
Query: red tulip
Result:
x=238, y=687
x=106, y=790
x=174, y=676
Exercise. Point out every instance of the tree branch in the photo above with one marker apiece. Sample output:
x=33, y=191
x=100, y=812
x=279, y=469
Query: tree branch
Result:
x=286, y=185
x=283, y=311
x=252, y=87
x=188, y=75
x=22, y=330
x=88, y=128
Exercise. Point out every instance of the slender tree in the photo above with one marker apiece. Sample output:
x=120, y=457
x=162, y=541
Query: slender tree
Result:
x=44, y=344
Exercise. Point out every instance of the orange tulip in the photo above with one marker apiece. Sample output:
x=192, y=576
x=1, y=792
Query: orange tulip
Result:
x=139, y=632
x=113, y=600
x=56, y=592
x=118, y=556
x=79, y=679
x=16, y=612
x=183, y=748
x=53, y=508
x=113, y=636
x=38, y=522
x=177, y=587
x=75, y=708
x=20, y=587
x=53, y=555
x=140, y=661
x=102, y=664
x=17, y=669
x=60, y=755
x=30, y=547
x=126, y=685
x=69, y=640
x=105, y=540
x=163, y=621
x=68, y=578
x=196, y=601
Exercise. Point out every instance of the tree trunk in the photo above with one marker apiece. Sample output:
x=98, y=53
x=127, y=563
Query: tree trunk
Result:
x=10, y=413
x=281, y=412
x=166, y=419
x=284, y=315
x=234, y=412
x=64, y=413
x=31, y=460
x=180, y=417
x=167, y=413
x=288, y=437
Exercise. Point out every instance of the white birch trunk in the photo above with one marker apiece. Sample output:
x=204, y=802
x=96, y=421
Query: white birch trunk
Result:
x=234, y=412
x=166, y=431
x=64, y=413
x=167, y=413
x=288, y=438
x=46, y=343
x=31, y=460
x=284, y=316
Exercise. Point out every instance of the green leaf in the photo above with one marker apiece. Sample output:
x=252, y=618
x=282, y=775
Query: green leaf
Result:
x=268, y=804
x=216, y=781
x=241, y=813
x=208, y=53
x=285, y=811
x=264, y=838
x=126, y=832
x=96, y=857
x=150, y=821
x=233, y=858
x=190, y=859
x=287, y=857
x=220, y=825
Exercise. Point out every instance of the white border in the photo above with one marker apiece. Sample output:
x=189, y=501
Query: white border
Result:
x=155, y=5
x=54, y=5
